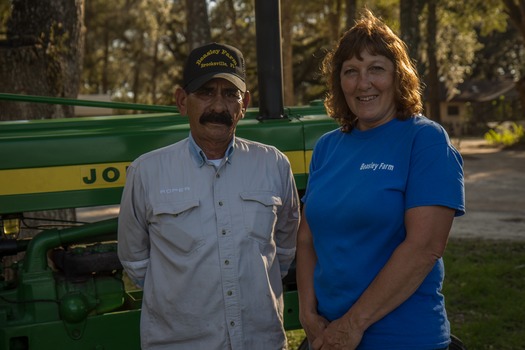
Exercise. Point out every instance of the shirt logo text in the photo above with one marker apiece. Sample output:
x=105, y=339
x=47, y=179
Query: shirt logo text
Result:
x=174, y=190
x=376, y=166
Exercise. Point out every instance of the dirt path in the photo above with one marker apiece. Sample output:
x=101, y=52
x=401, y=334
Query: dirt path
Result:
x=495, y=192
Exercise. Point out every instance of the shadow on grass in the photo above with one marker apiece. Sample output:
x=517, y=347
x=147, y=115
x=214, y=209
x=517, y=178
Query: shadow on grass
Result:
x=485, y=292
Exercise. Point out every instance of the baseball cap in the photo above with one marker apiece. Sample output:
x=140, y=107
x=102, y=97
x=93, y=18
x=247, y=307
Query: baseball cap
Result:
x=214, y=60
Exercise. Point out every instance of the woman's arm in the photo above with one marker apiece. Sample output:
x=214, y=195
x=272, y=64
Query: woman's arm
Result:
x=427, y=234
x=312, y=323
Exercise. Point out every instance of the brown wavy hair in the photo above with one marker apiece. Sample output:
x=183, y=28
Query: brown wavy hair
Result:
x=373, y=35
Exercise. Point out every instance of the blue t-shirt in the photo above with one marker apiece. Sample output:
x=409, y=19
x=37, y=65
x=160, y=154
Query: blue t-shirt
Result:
x=360, y=185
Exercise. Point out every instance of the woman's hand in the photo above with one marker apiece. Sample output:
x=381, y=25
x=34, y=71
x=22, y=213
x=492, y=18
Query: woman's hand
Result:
x=313, y=326
x=338, y=335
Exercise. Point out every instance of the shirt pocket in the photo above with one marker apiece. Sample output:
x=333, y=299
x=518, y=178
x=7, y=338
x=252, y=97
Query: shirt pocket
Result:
x=260, y=214
x=178, y=223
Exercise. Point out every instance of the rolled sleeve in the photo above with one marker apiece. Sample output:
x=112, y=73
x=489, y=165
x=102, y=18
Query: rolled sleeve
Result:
x=133, y=240
x=288, y=221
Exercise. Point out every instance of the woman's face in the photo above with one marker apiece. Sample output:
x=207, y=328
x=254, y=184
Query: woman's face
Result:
x=368, y=86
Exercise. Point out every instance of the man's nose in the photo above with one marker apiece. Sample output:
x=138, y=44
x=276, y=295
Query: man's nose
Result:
x=218, y=103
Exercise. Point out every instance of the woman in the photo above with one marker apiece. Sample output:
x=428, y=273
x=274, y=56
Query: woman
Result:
x=383, y=191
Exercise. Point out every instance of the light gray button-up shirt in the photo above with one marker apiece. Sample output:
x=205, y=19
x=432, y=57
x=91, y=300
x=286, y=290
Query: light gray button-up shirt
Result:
x=209, y=245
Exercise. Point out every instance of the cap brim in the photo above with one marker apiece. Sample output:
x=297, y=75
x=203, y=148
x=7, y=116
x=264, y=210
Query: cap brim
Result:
x=197, y=83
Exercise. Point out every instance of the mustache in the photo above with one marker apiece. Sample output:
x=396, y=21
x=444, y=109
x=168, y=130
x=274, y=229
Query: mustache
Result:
x=219, y=118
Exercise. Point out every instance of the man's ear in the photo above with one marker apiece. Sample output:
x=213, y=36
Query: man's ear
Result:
x=246, y=100
x=181, y=97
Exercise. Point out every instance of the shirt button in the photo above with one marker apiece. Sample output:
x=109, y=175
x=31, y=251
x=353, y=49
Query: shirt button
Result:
x=223, y=232
x=217, y=175
x=232, y=323
x=220, y=203
x=230, y=293
x=226, y=262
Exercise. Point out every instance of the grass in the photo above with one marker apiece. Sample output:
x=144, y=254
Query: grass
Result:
x=485, y=294
x=295, y=338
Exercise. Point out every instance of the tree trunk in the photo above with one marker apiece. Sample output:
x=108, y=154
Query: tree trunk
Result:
x=520, y=86
x=351, y=13
x=433, y=81
x=198, y=29
x=410, y=10
x=233, y=18
x=105, y=66
x=334, y=20
x=42, y=56
x=154, y=70
x=516, y=12
x=287, y=52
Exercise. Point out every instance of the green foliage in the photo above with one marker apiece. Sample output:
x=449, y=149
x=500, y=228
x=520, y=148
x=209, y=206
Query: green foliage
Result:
x=506, y=134
x=135, y=49
x=132, y=49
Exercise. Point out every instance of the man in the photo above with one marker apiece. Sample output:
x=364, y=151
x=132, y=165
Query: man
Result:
x=207, y=226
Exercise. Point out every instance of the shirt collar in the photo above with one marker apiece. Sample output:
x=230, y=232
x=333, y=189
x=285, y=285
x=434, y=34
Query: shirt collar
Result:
x=198, y=154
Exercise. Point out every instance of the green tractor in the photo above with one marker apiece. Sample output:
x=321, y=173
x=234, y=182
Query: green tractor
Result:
x=64, y=288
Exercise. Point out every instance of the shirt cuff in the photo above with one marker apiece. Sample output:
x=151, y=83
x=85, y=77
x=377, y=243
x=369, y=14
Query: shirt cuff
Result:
x=136, y=271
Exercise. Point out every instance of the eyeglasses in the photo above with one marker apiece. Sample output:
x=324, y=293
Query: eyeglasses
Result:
x=230, y=95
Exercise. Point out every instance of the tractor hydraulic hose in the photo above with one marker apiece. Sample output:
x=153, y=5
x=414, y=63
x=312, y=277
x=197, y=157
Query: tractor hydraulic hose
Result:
x=36, y=255
x=12, y=246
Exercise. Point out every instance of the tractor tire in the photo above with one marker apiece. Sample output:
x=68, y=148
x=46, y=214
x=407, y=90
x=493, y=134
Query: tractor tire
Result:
x=76, y=265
